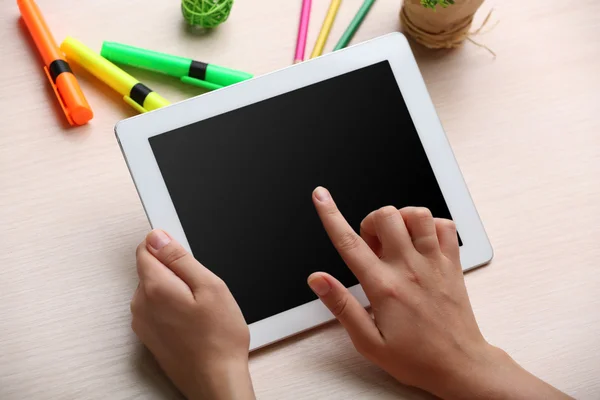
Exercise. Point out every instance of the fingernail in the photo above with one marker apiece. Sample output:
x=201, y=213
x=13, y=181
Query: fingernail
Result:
x=157, y=239
x=319, y=285
x=322, y=194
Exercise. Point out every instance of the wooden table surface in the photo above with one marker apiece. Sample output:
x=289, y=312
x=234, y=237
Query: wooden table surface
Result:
x=524, y=128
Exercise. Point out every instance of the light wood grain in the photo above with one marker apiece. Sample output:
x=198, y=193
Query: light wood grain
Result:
x=524, y=128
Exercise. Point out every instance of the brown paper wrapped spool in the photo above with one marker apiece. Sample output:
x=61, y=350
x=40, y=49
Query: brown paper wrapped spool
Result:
x=443, y=28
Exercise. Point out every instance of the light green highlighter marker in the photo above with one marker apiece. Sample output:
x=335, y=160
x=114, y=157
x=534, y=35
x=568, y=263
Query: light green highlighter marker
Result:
x=207, y=76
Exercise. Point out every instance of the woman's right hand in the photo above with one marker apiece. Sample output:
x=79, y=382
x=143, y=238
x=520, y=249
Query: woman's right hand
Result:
x=423, y=331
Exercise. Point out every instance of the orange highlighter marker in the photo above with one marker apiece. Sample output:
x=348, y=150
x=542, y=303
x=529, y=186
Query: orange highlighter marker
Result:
x=62, y=80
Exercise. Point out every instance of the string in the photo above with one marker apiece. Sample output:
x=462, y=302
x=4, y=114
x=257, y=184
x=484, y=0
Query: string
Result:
x=451, y=38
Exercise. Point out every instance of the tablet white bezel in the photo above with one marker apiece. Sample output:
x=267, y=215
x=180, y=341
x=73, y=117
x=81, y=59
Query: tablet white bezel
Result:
x=133, y=134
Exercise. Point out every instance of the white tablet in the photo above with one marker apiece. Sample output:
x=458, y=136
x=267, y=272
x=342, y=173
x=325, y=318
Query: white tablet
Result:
x=230, y=174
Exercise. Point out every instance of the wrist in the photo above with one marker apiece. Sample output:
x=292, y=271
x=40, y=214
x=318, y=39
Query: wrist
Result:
x=495, y=375
x=223, y=381
x=484, y=374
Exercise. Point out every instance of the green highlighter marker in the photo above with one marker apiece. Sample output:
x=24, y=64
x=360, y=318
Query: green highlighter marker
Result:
x=207, y=76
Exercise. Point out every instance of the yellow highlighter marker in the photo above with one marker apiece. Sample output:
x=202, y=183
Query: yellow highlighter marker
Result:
x=136, y=94
x=324, y=33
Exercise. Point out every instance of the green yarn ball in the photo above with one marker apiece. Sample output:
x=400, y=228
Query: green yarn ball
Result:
x=206, y=13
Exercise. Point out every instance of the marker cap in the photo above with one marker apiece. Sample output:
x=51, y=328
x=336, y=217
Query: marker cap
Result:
x=134, y=104
x=71, y=99
x=200, y=83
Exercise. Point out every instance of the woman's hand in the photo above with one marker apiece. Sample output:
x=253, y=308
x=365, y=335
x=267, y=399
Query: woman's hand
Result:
x=189, y=320
x=423, y=331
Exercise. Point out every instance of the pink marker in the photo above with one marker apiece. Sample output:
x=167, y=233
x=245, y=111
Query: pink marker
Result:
x=302, y=31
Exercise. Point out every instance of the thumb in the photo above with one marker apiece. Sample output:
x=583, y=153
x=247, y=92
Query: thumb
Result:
x=172, y=254
x=346, y=308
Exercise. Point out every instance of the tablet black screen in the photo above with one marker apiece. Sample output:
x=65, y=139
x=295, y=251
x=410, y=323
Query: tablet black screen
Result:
x=241, y=182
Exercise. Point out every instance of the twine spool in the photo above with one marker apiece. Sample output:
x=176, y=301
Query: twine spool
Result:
x=442, y=28
x=206, y=13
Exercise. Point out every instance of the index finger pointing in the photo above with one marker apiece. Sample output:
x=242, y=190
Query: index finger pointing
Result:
x=357, y=255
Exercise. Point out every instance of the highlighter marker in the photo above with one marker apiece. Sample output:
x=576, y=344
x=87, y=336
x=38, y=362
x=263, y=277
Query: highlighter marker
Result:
x=63, y=82
x=136, y=94
x=207, y=76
